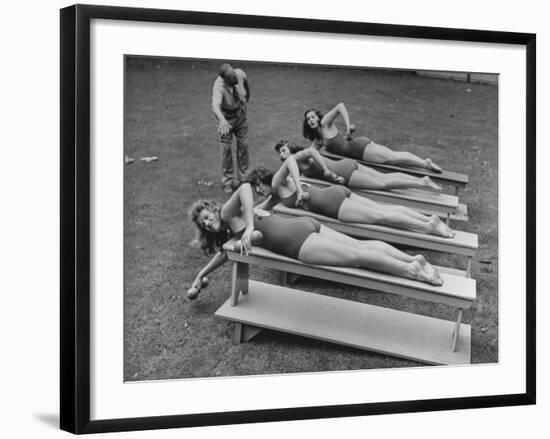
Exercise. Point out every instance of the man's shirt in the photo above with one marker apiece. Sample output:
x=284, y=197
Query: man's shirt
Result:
x=229, y=98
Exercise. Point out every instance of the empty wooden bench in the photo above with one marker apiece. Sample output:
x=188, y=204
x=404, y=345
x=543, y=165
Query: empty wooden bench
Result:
x=254, y=305
x=463, y=243
x=456, y=180
x=443, y=205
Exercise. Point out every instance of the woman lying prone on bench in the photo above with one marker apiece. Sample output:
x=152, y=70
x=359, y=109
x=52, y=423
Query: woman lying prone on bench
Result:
x=348, y=172
x=303, y=238
x=339, y=202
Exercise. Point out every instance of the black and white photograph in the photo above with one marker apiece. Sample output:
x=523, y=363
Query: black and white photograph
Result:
x=275, y=219
x=284, y=218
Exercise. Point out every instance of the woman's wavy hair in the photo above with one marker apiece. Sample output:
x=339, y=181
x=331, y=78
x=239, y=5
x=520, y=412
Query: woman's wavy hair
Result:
x=260, y=175
x=307, y=131
x=209, y=242
x=292, y=147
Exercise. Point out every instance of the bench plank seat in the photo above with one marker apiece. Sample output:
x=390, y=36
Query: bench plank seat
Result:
x=462, y=243
x=454, y=179
x=456, y=291
x=417, y=199
x=358, y=325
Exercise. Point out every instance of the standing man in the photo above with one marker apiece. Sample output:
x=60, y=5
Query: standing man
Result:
x=230, y=95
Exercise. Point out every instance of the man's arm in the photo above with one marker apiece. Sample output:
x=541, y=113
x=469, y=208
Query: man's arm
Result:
x=247, y=88
x=217, y=97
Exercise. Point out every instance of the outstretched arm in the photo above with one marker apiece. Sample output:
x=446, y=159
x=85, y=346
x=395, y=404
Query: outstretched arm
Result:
x=217, y=261
x=330, y=117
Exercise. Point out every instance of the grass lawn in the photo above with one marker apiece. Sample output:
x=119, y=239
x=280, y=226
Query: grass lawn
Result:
x=167, y=114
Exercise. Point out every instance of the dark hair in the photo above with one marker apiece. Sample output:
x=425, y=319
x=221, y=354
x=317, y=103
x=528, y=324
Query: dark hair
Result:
x=292, y=147
x=307, y=131
x=209, y=242
x=260, y=175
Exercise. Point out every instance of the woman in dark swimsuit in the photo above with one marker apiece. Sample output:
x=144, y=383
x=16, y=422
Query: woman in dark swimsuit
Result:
x=322, y=130
x=348, y=172
x=339, y=202
x=304, y=239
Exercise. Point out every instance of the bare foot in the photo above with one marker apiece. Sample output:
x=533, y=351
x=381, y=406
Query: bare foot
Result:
x=431, y=165
x=439, y=228
x=425, y=272
x=429, y=184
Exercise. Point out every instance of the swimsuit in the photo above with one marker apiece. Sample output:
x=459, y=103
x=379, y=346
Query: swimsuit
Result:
x=284, y=236
x=324, y=201
x=354, y=148
x=343, y=168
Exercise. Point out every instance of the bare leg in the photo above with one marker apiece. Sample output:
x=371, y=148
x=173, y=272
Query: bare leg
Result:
x=367, y=178
x=332, y=234
x=320, y=250
x=353, y=212
x=357, y=209
x=384, y=247
x=377, y=153
x=408, y=211
x=373, y=204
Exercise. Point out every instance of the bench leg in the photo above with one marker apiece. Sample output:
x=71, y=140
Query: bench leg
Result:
x=456, y=190
x=448, y=219
x=456, y=330
x=243, y=333
x=286, y=278
x=240, y=281
x=469, y=267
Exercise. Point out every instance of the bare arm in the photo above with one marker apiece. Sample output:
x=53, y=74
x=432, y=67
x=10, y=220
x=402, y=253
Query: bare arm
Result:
x=289, y=167
x=312, y=153
x=217, y=261
x=330, y=117
x=217, y=97
x=316, y=155
x=247, y=88
x=241, y=204
x=267, y=204
x=217, y=110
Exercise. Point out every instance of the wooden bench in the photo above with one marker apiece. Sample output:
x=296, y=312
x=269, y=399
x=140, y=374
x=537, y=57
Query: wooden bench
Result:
x=254, y=305
x=463, y=243
x=456, y=180
x=443, y=205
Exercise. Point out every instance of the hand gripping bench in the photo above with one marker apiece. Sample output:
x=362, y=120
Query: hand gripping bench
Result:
x=454, y=179
x=463, y=243
x=255, y=305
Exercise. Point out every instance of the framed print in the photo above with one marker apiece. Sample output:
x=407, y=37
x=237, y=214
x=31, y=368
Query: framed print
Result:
x=285, y=218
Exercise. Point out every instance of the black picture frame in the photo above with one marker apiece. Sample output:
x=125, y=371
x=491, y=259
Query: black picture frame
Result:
x=75, y=217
